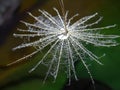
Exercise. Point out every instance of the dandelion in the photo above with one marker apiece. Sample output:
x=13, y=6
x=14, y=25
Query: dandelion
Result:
x=66, y=41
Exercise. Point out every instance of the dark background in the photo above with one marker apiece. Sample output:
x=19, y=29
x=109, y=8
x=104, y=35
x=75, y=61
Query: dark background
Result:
x=16, y=77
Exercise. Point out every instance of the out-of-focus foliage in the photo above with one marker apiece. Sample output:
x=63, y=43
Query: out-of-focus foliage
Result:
x=17, y=77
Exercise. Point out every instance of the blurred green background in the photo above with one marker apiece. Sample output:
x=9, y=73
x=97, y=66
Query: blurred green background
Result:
x=17, y=77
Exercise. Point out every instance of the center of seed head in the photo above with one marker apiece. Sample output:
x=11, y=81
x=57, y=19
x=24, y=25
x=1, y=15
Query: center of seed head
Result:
x=64, y=35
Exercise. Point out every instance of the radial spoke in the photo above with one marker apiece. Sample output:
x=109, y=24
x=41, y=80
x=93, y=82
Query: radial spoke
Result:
x=43, y=57
x=96, y=42
x=51, y=64
x=69, y=62
x=59, y=59
x=69, y=21
x=91, y=24
x=95, y=29
x=83, y=20
x=34, y=35
x=28, y=35
x=98, y=36
x=19, y=60
x=36, y=18
x=84, y=65
x=72, y=61
x=48, y=16
x=29, y=55
x=59, y=16
x=94, y=57
x=29, y=30
x=105, y=43
x=33, y=43
x=39, y=27
x=66, y=15
x=39, y=31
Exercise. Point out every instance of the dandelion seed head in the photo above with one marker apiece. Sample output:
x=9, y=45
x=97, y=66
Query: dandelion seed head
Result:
x=66, y=41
